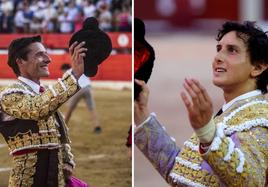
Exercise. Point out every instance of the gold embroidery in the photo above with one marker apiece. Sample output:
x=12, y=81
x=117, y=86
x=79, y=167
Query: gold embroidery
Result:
x=199, y=176
x=250, y=113
x=252, y=143
x=29, y=139
x=23, y=170
x=18, y=102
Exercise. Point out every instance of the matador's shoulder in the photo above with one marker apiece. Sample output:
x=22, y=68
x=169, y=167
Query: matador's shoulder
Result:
x=245, y=115
x=16, y=87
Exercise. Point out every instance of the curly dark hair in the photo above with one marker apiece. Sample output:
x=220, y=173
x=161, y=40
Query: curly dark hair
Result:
x=18, y=49
x=256, y=41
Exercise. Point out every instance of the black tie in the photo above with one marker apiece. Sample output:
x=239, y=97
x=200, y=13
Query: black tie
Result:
x=41, y=89
x=218, y=113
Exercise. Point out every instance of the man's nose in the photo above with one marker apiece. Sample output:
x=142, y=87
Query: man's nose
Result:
x=47, y=59
x=219, y=57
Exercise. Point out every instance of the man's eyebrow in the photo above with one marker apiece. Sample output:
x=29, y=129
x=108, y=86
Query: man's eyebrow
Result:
x=233, y=45
x=228, y=45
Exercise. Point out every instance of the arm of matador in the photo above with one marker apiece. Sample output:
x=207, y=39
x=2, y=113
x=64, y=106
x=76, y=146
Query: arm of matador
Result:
x=160, y=149
x=242, y=158
x=23, y=104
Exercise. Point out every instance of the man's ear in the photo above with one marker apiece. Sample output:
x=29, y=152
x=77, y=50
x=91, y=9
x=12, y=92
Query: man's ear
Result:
x=19, y=61
x=258, y=69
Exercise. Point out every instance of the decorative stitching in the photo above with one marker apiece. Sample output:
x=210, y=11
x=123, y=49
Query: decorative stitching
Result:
x=50, y=87
x=62, y=84
x=215, y=144
x=233, y=113
x=55, y=145
x=191, y=145
x=15, y=90
x=231, y=147
x=188, y=164
x=240, y=166
x=180, y=179
x=246, y=125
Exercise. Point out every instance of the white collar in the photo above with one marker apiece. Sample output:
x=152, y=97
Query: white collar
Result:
x=241, y=97
x=35, y=87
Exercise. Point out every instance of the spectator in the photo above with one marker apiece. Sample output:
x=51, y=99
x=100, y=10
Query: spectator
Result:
x=89, y=9
x=50, y=18
x=6, y=6
x=105, y=17
x=18, y=15
x=123, y=19
x=36, y=26
x=19, y=20
x=6, y=22
x=72, y=11
x=65, y=23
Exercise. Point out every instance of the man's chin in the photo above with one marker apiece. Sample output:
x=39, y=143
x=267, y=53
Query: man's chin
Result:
x=217, y=83
x=45, y=74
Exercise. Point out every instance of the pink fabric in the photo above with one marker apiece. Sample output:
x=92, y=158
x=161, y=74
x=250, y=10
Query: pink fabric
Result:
x=75, y=182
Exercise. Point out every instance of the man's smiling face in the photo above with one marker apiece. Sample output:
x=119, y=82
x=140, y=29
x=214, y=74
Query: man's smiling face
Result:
x=35, y=65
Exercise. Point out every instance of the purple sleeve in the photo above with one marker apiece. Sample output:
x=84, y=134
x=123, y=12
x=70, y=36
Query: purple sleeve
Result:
x=157, y=146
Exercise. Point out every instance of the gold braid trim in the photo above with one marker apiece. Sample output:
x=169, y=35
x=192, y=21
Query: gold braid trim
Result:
x=193, y=157
x=249, y=113
x=61, y=180
x=224, y=170
x=200, y=176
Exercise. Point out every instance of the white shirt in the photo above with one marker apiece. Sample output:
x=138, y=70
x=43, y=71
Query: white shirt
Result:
x=83, y=81
x=19, y=19
x=35, y=87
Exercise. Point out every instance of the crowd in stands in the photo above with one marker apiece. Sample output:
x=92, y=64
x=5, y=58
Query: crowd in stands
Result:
x=63, y=16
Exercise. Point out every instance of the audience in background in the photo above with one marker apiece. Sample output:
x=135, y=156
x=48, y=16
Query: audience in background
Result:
x=63, y=16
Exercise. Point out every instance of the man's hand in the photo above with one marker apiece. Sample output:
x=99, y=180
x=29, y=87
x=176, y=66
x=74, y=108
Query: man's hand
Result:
x=67, y=171
x=200, y=110
x=141, y=112
x=77, y=53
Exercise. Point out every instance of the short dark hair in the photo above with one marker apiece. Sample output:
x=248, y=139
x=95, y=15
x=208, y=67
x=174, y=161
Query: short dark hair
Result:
x=65, y=67
x=18, y=48
x=256, y=41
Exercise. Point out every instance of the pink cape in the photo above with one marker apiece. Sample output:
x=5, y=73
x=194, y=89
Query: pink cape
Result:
x=75, y=182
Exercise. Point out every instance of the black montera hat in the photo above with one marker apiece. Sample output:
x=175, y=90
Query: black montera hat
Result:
x=144, y=56
x=98, y=43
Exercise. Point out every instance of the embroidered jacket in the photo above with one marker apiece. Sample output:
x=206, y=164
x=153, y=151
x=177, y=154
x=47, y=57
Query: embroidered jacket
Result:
x=238, y=155
x=31, y=121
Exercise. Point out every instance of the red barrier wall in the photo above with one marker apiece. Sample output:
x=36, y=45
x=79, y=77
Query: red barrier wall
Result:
x=119, y=40
x=115, y=68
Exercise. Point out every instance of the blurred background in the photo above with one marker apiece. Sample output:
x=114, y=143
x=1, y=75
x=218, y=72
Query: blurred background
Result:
x=102, y=159
x=183, y=33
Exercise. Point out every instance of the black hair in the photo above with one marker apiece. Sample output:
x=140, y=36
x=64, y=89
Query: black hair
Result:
x=256, y=41
x=18, y=49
